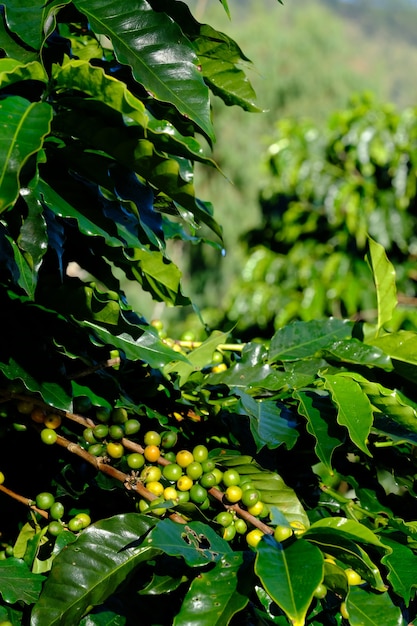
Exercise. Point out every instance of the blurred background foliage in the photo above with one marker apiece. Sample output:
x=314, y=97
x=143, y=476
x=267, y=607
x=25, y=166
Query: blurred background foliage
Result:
x=308, y=60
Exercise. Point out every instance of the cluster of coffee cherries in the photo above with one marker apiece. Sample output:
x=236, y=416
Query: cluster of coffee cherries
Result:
x=56, y=512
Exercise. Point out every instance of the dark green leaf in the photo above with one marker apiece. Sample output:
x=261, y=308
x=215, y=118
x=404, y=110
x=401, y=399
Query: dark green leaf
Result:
x=402, y=566
x=353, y=407
x=91, y=568
x=290, y=575
x=29, y=20
x=196, y=542
x=321, y=423
x=359, y=353
x=216, y=595
x=301, y=340
x=24, y=125
x=153, y=45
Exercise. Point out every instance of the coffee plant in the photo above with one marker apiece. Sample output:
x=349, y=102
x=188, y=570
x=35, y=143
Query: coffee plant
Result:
x=324, y=190
x=155, y=479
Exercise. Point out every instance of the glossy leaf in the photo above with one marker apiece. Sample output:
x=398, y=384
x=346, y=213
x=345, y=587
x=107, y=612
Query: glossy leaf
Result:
x=359, y=353
x=402, y=566
x=371, y=609
x=217, y=594
x=290, y=584
x=25, y=125
x=321, y=423
x=29, y=20
x=300, y=340
x=353, y=407
x=92, y=568
x=148, y=347
x=12, y=71
x=271, y=424
x=161, y=58
x=401, y=346
x=384, y=277
x=198, y=358
x=197, y=543
x=17, y=583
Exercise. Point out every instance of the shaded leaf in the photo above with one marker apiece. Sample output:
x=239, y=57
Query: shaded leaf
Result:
x=24, y=126
x=197, y=359
x=321, y=423
x=91, y=568
x=402, y=566
x=12, y=71
x=29, y=21
x=288, y=583
x=353, y=407
x=216, y=595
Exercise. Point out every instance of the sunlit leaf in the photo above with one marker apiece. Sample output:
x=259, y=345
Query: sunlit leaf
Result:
x=370, y=609
x=384, y=277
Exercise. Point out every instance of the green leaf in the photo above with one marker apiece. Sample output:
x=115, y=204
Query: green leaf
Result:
x=217, y=594
x=300, y=340
x=353, y=407
x=359, y=353
x=384, y=277
x=29, y=20
x=290, y=575
x=402, y=566
x=13, y=49
x=24, y=126
x=271, y=424
x=197, y=359
x=226, y=7
x=321, y=423
x=153, y=45
x=26, y=275
x=91, y=568
x=274, y=491
x=17, y=583
x=196, y=542
x=148, y=347
x=401, y=346
x=12, y=71
x=366, y=608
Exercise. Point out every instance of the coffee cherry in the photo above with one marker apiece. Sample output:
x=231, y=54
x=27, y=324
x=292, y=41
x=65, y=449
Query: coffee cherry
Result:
x=218, y=475
x=54, y=528
x=231, y=477
x=200, y=453
x=343, y=611
x=254, y=536
x=353, y=577
x=241, y=526
x=132, y=426
x=250, y=497
x=172, y=471
x=224, y=518
x=75, y=524
x=116, y=432
x=256, y=509
x=1, y=478
x=57, y=511
x=233, y=493
x=194, y=470
x=135, y=460
x=88, y=435
x=38, y=415
x=208, y=480
x=198, y=494
x=119, y=415
x=183, y=496
x=97, y=449
x=169, y=439
x=229, y=532
x=103, y=414
x=282, y=532
x=25, y=407
x=184, y=483
x=184, y=458
x=170, y=456
x=48, y=436
x=152, y=438
x=44, y=500
x=208, y=465
x=217, y=369
x=115, y=450
x=85, y=519
x=100, y=431
x=53, y=421
x=155, y=487
x=320, y=591
x=151, y=473
x=170, y=493
x=152, y=453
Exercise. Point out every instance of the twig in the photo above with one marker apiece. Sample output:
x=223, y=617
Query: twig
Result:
x=26, y=501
